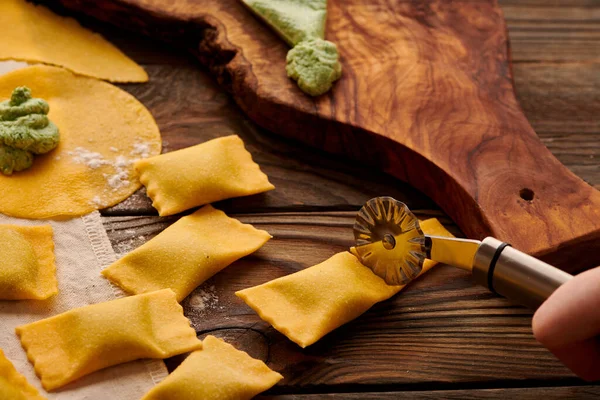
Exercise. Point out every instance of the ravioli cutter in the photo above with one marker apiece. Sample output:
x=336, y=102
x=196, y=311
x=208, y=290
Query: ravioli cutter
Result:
x=390, y=242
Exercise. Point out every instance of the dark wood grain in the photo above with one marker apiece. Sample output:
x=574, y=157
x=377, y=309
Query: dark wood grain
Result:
x=190, y=109
x=556, y=63
x=563, y=102
x=427, y=96
x=548, y=393
x=553, y=32
x=309, y=179
x=441, y=329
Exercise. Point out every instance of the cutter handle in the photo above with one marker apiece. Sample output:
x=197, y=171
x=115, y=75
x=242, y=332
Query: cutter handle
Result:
x=514, y=274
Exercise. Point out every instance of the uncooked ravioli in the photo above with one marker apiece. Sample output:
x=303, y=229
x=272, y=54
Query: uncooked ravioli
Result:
x=27, y=269
x=308, y=304
x=35, y=34
x=103, y=131
x=13, y=385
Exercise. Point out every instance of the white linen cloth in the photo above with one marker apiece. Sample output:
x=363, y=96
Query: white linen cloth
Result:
x=82, y=250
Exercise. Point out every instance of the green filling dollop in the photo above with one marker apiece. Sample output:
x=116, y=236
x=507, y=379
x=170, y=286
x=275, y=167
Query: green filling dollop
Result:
x=315, y=65
x=25, y=130
x=313, y=62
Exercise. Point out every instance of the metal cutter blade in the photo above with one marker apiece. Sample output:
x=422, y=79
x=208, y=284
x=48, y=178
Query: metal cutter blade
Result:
x=388, y=234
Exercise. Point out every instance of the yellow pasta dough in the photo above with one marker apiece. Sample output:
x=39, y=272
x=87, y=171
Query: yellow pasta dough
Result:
x=217, y=372
x=33, y=33
x=215, y=170
x=308, y=304
x=27, y=269
x=186, y=254
x=78, y=342
x=103, y=130
x=14, y=386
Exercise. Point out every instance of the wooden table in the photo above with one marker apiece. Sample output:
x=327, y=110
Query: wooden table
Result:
x=440, y=338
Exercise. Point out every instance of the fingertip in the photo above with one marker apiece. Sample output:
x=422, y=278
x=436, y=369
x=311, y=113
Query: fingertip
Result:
x=583, y=358
x=570, y=314
x=542, y=323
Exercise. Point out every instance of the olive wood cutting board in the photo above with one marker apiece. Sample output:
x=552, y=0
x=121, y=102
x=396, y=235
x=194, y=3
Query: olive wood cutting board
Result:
x=426, y=95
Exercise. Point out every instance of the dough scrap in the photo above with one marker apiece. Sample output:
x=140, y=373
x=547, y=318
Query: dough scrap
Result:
x=217, y=372
x=308, y=304
x=103, y=131
x=80, y=341
x=186, y=254
x=27, y=266
x=13, y=385
x=215, y=170
x=35, y=34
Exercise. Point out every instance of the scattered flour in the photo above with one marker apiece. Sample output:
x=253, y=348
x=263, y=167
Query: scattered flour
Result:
x=203, y=298
x=92, y=159
x=121, y=164
x=97, y=201
x=142, y=150
x=118, y=180
x=126, y=246
x=165, y=145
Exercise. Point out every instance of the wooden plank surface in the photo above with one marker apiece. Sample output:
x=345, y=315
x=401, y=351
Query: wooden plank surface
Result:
x=441, y=333
x=189, y=108
x=547, y=393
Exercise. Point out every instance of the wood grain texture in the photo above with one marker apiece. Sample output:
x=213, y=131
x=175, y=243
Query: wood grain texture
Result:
x=548, y=393
x=310, y=179
x=190, y=108
x=427, y=96
x=440, y=330
x=566, y=31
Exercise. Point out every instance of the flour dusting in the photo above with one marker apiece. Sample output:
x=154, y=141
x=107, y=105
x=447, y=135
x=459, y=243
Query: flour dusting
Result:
x=203, y=299
x=121, y=164
x=97, y=201
x=142, y=150
x=91, y=159
x=123, y=247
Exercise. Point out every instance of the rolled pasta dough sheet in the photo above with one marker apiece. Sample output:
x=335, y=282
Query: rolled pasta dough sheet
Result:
x=36, y=34
x=103, y=130
x=27, y=266
x=215, y=170
x=13, y=385
x=308, y=304
x=78, y=342
x=217, y=372
x=186, y=254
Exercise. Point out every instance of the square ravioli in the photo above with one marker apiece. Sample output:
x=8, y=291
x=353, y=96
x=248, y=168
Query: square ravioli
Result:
x=13, y=385
x=215, y=170
x=307, y=305
x=78, y=342
x=217, y=372
x=27, y=267
x=186, y=254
